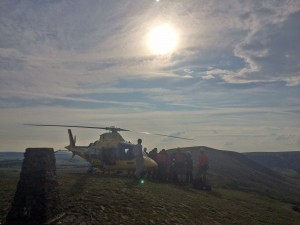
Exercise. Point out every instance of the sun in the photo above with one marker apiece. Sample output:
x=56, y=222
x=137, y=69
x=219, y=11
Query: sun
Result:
x=162, y=39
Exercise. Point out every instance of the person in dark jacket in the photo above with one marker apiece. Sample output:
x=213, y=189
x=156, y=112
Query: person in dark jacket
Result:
x=189, y=168
x=162, y=160
x=151, y=173
x=179, y=165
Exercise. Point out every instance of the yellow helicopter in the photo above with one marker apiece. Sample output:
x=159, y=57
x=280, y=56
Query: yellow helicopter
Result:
x=111, y=152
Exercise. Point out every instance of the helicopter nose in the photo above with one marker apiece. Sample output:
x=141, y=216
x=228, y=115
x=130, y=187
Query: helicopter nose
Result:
x=150, y=163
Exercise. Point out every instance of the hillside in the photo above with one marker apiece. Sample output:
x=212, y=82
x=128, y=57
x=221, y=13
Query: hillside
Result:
x=287, y=163
x=236, y=171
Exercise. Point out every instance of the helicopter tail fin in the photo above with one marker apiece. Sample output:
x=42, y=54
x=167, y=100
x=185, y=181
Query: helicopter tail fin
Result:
x=72, y=140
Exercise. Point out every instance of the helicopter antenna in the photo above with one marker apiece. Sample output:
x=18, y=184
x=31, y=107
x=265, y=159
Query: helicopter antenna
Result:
x=112, y=129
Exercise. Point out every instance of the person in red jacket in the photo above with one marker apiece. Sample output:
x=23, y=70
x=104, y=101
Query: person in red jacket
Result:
x=203, y=165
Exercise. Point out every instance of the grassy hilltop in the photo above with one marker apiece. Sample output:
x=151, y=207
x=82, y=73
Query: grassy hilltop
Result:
x=244, y=192
x=117, y=199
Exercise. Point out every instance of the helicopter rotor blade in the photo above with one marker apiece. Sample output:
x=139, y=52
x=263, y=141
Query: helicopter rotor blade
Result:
x=90, y=127
x=164, y=135
x=113, y=129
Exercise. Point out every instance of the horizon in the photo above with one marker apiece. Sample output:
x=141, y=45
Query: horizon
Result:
x=183, y=147
x=225, y=73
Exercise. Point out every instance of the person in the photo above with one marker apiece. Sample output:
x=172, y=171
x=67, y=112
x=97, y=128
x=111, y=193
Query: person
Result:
x=162, y=160
x=145, y=152
x=153, y=154
x=189, y=168
x=151, y=173
x=139, y=159
x=203, y=166
x=179, y=166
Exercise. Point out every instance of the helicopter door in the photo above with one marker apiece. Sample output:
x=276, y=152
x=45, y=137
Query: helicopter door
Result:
x=129, y=153
x=125, y=151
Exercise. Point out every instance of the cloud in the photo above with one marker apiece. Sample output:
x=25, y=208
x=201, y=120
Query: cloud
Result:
x=236, y=67
x=256, y=43
x=270, y=50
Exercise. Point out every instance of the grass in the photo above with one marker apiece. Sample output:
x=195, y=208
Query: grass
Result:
x=118, y=199
x=8, y=181
x=110, y=200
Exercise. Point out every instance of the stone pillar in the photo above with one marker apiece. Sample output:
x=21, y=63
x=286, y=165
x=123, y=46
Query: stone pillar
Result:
x=37, y=199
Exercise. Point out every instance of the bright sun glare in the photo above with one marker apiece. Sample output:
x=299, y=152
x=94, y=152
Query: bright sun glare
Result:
x=162, y=39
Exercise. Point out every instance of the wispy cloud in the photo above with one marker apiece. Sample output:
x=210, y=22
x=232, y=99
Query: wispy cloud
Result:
x=235, y=71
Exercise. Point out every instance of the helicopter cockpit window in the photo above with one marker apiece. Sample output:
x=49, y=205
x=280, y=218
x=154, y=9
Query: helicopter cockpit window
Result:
x=125, y=152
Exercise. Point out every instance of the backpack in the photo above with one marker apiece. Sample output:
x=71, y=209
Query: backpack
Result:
x=200, y=185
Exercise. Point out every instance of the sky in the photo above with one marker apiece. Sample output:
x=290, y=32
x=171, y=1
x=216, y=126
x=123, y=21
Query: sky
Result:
x=231, y=79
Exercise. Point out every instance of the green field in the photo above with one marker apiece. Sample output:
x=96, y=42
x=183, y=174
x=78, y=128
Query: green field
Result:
x=118, y=199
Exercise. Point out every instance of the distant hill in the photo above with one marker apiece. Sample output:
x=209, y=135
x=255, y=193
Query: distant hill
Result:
x=237, y=171
x=287, y=163
x=63, y=159
x=11, y=159
x=11, y=155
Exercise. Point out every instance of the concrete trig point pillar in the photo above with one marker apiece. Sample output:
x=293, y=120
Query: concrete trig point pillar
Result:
x=37, y=199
